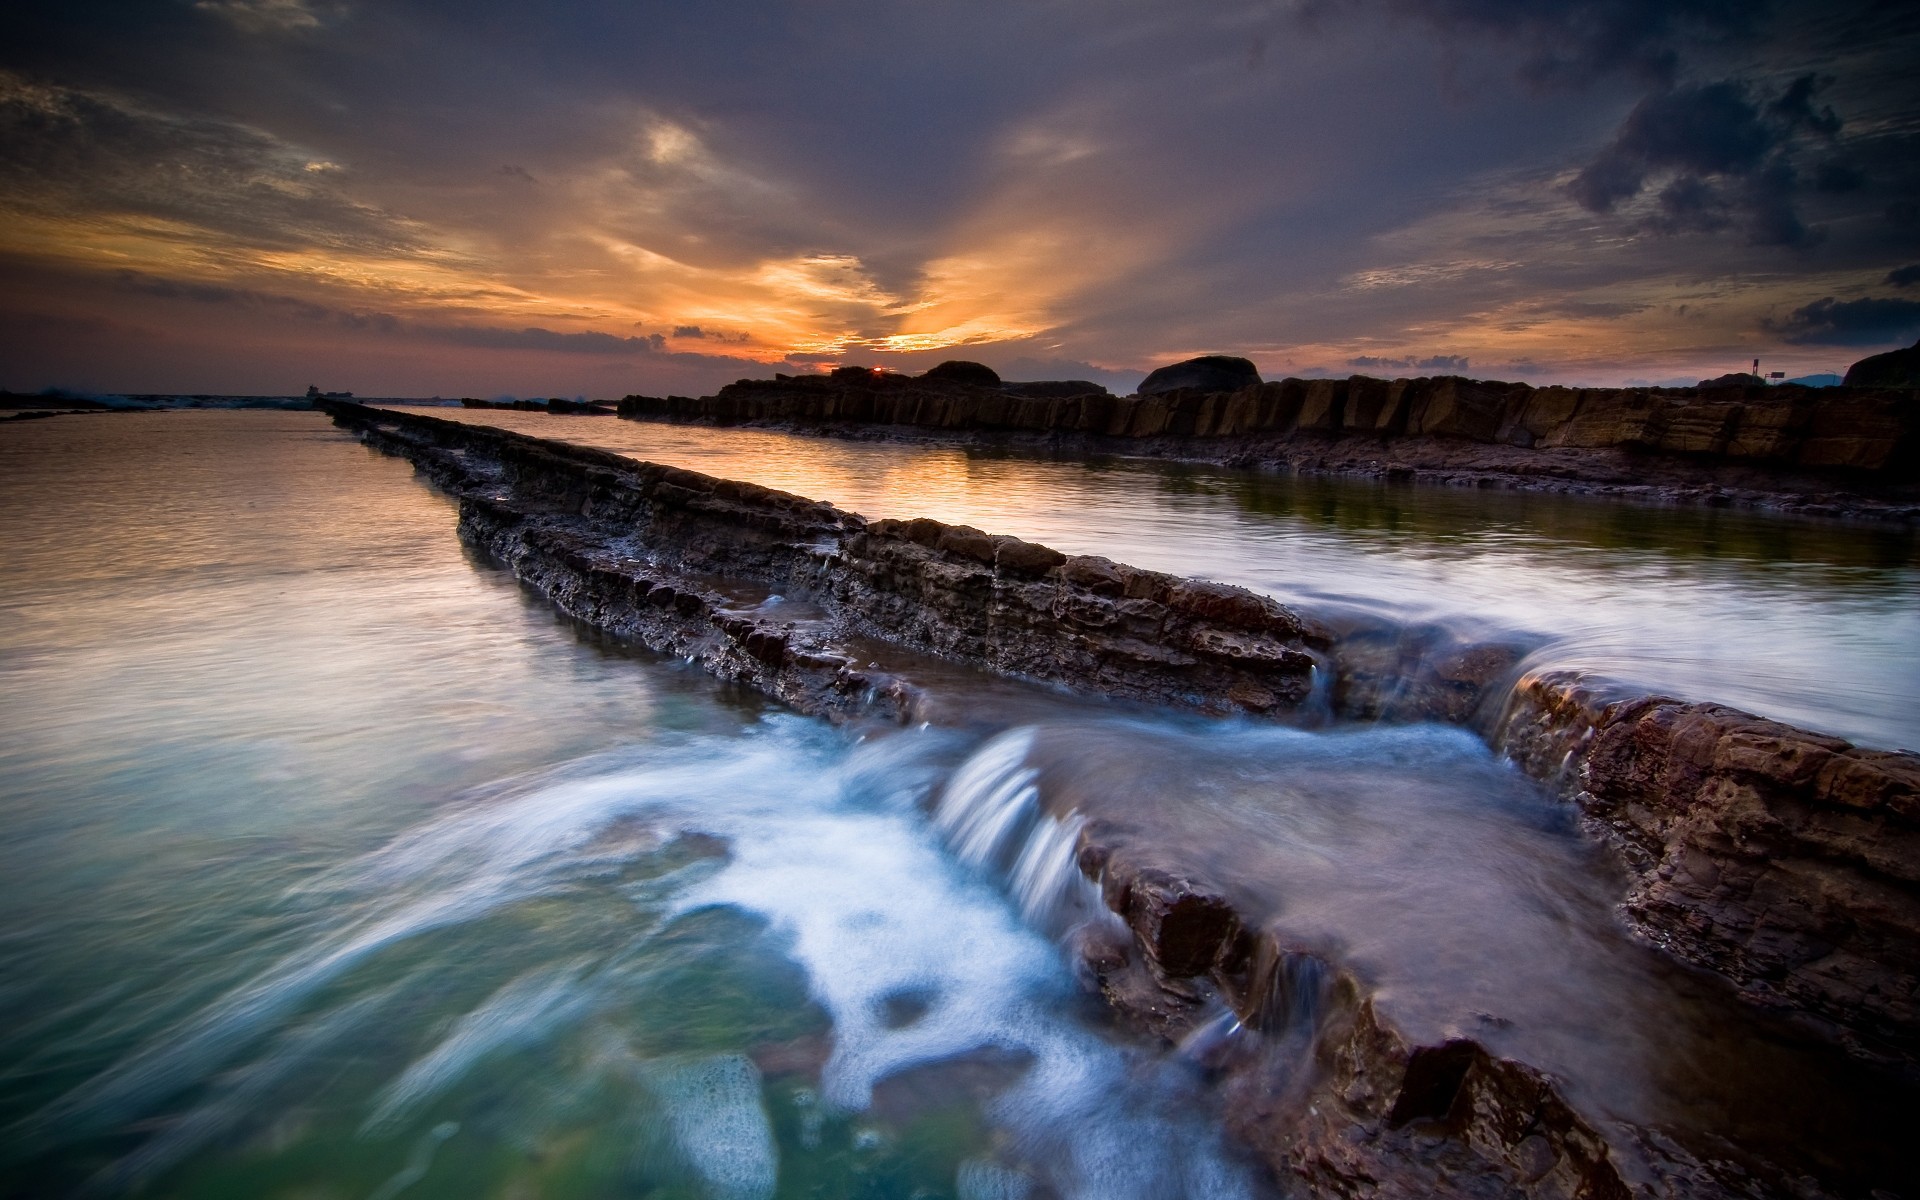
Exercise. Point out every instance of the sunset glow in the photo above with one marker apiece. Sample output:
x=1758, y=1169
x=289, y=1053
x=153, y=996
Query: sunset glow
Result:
x=251, y=196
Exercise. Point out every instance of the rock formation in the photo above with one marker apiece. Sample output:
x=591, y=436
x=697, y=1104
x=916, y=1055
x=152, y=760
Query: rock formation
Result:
x=958, y=371
x=1894, y=369
x=1208, y=373
x=1778, y=858
x=1826, y=451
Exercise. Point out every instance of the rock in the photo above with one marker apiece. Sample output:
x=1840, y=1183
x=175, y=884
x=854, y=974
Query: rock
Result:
x=1208, y=373
x=961, y=371
x=1786, y=861
x=1894, y=369
x=1733, y=379
x=1055, y=389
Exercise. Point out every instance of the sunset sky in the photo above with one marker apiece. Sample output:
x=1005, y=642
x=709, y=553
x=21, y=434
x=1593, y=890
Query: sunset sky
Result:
x=419, y=197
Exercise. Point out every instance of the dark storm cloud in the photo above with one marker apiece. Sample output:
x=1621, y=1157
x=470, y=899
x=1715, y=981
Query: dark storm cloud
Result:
x=1724, y=152
x=214, y=293
x=1869, y=321
x=64, y=150
x=533, y=338
x=1570, y=41
x=1904, y=276
x=1165, y=178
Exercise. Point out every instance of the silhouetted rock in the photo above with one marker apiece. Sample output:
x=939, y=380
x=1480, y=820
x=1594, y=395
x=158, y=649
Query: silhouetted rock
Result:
x=1055, y=389
x=1894, y=369
x=1732, y=379
x=1208, y=373
x=960, y=371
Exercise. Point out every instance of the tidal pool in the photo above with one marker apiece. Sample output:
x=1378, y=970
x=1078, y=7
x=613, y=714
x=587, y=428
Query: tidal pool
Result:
x=1813, y=623
x=338, y=866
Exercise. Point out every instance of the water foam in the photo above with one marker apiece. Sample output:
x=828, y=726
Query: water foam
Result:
x=831, y=848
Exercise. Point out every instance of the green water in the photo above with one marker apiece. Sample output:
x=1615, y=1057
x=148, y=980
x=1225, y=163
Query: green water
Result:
x=336, y=866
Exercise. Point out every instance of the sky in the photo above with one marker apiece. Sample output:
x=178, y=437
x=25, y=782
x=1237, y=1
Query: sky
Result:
x=429, y=197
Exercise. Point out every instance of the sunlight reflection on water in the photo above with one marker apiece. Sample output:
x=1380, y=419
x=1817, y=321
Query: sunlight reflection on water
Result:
x=1814, y=623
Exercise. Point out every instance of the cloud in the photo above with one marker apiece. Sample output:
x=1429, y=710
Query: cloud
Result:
x=266, y=16
x=484, y=337
x=1563, y=42
x=1724, y=155
x=214, y=293
x=1870, y=321
x=1437, y=362
x=534, y=338
x=68, y=152
x=1904, y=276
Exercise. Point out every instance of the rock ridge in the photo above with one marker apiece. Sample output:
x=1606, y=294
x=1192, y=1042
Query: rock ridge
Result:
x=1833, y=451
x=1777, y=858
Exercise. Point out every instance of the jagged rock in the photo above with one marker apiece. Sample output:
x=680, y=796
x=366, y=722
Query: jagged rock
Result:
x=1780, y=858
x=1208, y=373
x=1784, y=860
x=960, y=371
x=1733, y=379
x=1055, y=389
x=1894, y=369
x=1836, y=451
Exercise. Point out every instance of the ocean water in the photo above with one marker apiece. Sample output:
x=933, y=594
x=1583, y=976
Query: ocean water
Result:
x=1810, y=622
x=338, y=866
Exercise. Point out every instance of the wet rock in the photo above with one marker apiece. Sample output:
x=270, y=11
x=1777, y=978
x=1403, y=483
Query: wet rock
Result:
x=999, y=603
x=1779, y=858
x=1208, y=373
x=1787, y=861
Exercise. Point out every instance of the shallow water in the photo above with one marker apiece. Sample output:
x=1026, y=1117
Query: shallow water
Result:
x=1813, y=623
x=338, y=866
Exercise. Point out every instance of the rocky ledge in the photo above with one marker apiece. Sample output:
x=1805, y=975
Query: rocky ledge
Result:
x=1843, y=451
x=1779, y=859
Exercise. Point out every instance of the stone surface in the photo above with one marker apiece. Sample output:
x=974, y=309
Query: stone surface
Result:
x=1786, y=861
x=1783, y=860
x=1208, y=373
x=1830, y=451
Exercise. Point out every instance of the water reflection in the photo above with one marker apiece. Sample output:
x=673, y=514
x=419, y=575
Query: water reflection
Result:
x=336, y=865
x=1814, y=623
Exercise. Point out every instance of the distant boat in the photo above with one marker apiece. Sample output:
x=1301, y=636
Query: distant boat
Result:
x=314, y=393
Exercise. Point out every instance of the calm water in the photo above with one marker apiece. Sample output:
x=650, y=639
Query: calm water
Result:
x=338, y=867
x=1817, y=624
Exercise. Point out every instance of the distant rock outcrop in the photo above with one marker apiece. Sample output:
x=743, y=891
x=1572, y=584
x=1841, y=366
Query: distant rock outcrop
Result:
x=1055, y=389
x=1208, y=373
x=960, y=371
x=1894, y=369
x=1733, y=379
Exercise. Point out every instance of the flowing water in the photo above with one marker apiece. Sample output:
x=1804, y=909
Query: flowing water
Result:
x=337, y=866
x=1813, y=623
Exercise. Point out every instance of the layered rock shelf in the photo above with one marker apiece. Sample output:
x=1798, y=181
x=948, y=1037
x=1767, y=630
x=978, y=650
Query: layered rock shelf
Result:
x=1779, y=859
x=1851, y=451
